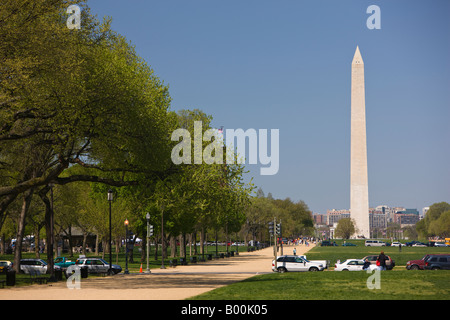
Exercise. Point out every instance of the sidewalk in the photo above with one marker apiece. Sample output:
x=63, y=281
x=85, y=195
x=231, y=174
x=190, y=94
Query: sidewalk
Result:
x=161, y=284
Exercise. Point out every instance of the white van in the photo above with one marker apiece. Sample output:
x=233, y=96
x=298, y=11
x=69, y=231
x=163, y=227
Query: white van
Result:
x=375, y=243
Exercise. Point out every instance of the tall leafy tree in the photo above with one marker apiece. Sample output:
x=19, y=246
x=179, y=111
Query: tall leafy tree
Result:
x=74, y=97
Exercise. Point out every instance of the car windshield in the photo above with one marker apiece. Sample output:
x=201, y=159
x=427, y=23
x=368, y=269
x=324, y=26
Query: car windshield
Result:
x=103, y=261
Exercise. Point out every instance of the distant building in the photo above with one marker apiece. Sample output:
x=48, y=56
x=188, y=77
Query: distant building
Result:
x=406, y=219
x=320, y=219
x=424, y=212
x=409, y=211
x=387, y=211
x=377, y=218
x=333, y=216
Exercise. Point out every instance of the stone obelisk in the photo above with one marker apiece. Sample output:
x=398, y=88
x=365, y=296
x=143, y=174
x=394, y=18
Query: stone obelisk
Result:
x=359, y=190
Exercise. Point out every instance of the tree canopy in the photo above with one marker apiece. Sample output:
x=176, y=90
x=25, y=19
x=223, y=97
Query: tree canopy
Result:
x=81, y=112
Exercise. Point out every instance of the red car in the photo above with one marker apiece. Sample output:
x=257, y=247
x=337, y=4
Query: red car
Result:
x=418, y=264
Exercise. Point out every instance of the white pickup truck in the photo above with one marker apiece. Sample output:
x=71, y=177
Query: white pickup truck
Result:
x=296, y=263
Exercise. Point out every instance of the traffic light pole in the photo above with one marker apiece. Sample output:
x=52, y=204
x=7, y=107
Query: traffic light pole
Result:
x=275, y=243
x=281, y=237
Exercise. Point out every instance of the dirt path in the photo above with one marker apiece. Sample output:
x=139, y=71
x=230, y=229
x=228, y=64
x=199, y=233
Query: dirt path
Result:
x=162, y=284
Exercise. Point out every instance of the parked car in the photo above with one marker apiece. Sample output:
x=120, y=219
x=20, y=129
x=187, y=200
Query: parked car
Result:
x=5, y=266
x=348, y=244
x=441, y=244
x=390, y=264
x=438, y=262
x=97, y=265
x=328, y=244
x=352, y=265
x=417, y=264
x=325, y=263
x=419, y=244
x=295, y=263
x=374, y=243
x=63, y=262
x=396, y=244
x=37, y=265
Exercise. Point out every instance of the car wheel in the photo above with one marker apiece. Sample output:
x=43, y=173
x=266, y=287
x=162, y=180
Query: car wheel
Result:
x=435, y=268
x=344, y=269
x=414, y=267
x=313, y=269
x=281, y=269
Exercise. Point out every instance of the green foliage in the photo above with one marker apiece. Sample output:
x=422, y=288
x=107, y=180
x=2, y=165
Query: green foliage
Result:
x=81, y=110
x=345, y=228
x=296, y=217
x=436, y=221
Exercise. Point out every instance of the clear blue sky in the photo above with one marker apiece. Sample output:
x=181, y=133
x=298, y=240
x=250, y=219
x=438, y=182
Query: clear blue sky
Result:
x=286, y=65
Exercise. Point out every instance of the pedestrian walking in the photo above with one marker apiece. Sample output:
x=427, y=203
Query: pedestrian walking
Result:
x=295, y=252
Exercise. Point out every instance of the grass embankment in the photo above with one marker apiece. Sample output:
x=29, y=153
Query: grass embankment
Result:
x=398, y=284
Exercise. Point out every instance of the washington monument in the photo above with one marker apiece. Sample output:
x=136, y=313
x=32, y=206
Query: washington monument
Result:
x=359, y=190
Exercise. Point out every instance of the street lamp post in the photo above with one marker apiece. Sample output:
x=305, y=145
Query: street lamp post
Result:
x=110, y=199
x=126, y=247
x=162, y=237
x=148, y=241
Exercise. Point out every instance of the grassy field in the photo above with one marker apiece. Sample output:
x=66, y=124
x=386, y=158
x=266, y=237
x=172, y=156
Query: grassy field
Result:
x=360, y=251
x=398, y=284
x=330, y=285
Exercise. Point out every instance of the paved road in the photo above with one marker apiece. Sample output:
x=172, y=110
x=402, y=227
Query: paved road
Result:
x=162, y=284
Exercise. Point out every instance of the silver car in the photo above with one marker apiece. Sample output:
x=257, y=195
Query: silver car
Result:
x=37, y=266
x=97, y=265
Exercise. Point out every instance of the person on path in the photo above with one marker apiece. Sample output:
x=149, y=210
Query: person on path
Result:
x=295, y=251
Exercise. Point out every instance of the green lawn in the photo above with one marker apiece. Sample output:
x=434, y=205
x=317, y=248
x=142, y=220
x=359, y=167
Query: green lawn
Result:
x=331, y=285
x=343, y=253
x=398, y=284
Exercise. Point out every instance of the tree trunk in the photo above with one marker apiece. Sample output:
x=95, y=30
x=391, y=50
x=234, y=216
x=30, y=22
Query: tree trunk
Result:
x=117, y=250
x=36, y=240
x=96, y=244
x=183, y=245
x=202, y=241
x=194, y=239
x=156, y=249
x=2, y=243
x=103, y=248
x=173, y=247
x=70, y=242
x=21, y=228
